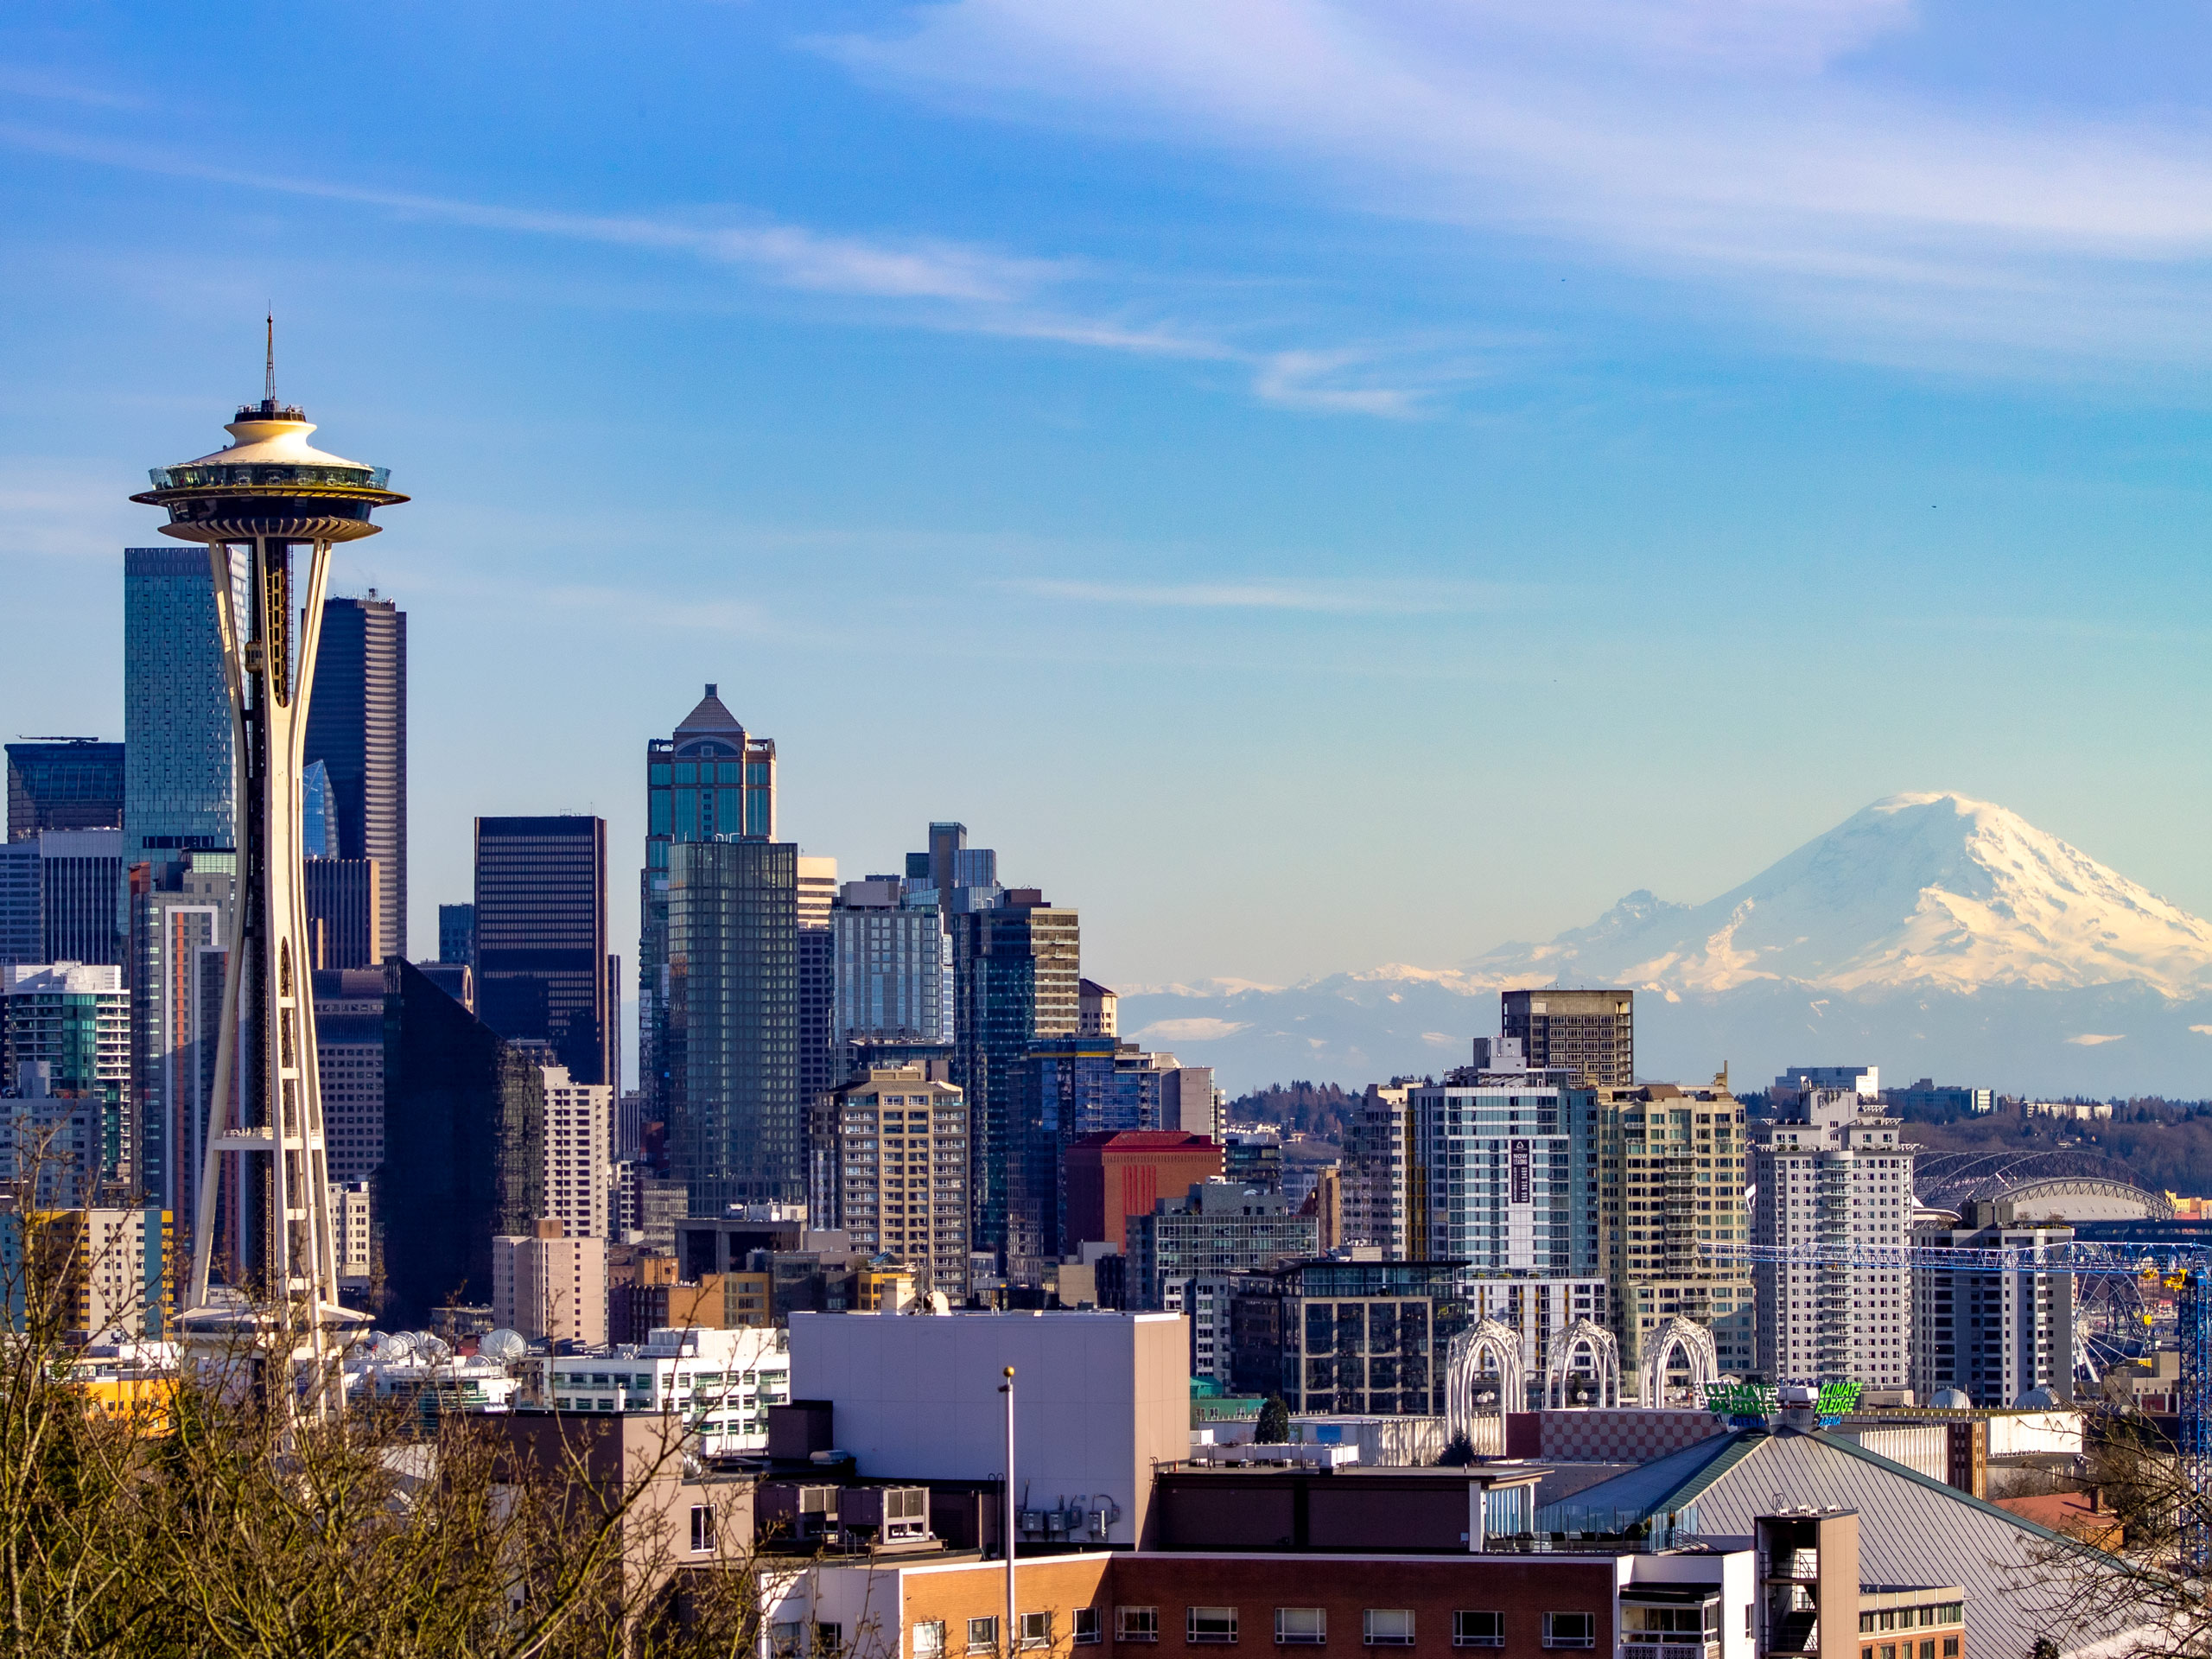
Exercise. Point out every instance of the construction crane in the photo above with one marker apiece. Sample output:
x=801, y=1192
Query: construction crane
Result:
x=2185, y=1269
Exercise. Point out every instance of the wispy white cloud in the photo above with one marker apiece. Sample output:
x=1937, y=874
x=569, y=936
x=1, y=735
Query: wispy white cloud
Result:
x=1323, y=597
x=2097, y=1038
x=1737, y=139
x=943, y=285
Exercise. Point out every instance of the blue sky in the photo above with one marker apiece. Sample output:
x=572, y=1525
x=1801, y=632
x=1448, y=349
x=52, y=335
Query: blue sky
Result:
x=1313, y=486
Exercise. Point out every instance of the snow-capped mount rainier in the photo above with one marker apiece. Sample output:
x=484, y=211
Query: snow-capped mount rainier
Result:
x=1931, y=934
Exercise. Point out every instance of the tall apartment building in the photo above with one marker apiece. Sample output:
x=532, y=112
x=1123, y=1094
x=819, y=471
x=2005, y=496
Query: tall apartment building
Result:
x=180, y=932
x=73, y=1020
x=1217, y=1228
x=579, y=1174
x=1505, y=1173
x=349, y=1031
x=1834, y=1174
x=1993, y=1334
x=1672, y=1173
x=815, y=962
x=1590, y=1033
x=1101, y=1010
x=710, y=779
x=893, y=967
x=464, y=1149
x=1382, y=1208
x=64, y=783
x=357, y=728
x=457, y=933
x=120, y=1280
x=731, y=1042
x=352, y=1236
x=902, y=1160
x=176, y=711
x=1016, y=971
x=551, y=1286
x=541, y=937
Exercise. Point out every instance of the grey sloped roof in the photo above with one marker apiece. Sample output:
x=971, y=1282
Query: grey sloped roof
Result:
x=711, y=715
x=1911, y=1529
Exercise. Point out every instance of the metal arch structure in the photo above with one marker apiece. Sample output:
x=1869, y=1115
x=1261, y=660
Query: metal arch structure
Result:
x=1947, y=1180
x=2187, y=1269
x=1499, y=1342
x=1594, y=1344
x=1676, y=1335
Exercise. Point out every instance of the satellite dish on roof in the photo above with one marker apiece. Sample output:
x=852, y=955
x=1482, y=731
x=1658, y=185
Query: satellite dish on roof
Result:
x=503, y=1345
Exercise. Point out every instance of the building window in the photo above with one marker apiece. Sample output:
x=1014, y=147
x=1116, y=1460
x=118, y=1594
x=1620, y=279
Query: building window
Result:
x=1210, y=1624
x=784, y=1639
x=1928, y=1650
x=1303, y=1627
x=1889, y=1650
x=1036, y=1630
x=828, y=1640
x=1387, y=1627
x=1580, y=1630
x=1951, y=1613
x=984, y=1635
x=702, y=1527
x=1950, y=1647
x=1086, y=1626
x=1137, y=1624
x=929, y=1638
x=1866, y=1623
x=1477, y=1630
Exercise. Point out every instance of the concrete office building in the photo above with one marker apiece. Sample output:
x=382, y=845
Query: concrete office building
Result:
x=1835, y=1174
x=1101, y=1010
x=1115, y=1177
x=1505, y=1173
x=579, y=1172
x=551, y=1286
x=1591, y=1034
x=73, y=1020
x=345, y=913
x=353, y=1234
x=179, y=935
x=64, y=783
x=464, y=1156
x=178, y=762
x=1016, y=969
x=1217, y=1228
x=1994, y=1334
x=357, y=728
x=901, y=1154
x=82, y=911
x=1101, y=1400
x=710, y=779
x=734, y=1123
x=1672, y=1170
x=457, y=933
x=814, y=962
x=349, y=1029
x=541, y=938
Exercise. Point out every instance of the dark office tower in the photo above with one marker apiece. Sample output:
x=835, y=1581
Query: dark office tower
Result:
x=464, y=1147
x=81, y=895
x=357, y=726
x=176, y=708
x=456, y=933
x=711, y=780
x=344, y=916
x=1591, y=1033
x=64, y=783
x=960, y=876
x=541, y=937
x=1016, y=969
x=734, y=1130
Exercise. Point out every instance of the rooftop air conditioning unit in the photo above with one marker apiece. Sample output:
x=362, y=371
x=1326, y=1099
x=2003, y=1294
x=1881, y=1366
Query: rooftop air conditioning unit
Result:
x=893, y=1514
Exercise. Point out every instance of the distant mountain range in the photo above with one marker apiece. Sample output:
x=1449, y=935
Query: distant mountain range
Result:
x=1930, y=934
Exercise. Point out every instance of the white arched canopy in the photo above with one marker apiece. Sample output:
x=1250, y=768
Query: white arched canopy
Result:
x=1484, y=1378
x=1693, y=1343
x=1584, y=1368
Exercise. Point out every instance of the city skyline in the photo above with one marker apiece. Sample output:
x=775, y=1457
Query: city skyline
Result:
x=1144, y=462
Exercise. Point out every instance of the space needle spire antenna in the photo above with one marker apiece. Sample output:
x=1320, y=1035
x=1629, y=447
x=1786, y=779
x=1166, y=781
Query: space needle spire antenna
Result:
x=265, y=1294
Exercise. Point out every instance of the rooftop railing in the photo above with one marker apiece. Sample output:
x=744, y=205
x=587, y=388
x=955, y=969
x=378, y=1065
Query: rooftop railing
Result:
x=267, y=473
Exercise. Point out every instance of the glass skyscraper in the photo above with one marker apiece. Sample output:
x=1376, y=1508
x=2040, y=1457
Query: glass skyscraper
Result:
x=541, y=938
x=734, y=1126
x=710, y=781
x=69, y=783
x=356, y=730
x=176, y=715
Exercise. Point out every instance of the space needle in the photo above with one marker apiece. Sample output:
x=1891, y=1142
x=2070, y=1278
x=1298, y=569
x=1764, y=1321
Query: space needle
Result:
x=256, y=503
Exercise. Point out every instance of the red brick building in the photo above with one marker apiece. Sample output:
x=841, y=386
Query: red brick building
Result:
x=1113, y=1177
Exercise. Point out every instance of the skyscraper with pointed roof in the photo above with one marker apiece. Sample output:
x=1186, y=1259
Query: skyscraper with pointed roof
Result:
x=711, y=780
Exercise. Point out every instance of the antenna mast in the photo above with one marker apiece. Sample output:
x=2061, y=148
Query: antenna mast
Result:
x=268, y=383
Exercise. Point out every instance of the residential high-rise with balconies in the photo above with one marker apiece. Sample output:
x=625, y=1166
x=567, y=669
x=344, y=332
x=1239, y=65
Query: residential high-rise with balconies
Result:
x=357, y=728
x=901, y=1155
x=711, y=779
x=579, y=1172
x=541, y=938
x=1591, y=1034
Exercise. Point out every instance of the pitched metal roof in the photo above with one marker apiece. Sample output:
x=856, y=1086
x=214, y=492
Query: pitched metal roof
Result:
x=711, y=715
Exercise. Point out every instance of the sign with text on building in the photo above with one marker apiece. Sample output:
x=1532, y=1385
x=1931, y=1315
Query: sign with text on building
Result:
x=1523, y=1189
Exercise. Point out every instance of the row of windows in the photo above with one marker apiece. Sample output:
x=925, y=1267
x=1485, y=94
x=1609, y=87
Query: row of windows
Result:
x=1904, y=1649
x=1379, y=1627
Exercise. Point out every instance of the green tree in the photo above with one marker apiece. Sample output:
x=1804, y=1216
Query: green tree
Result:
x=1274, y=1422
